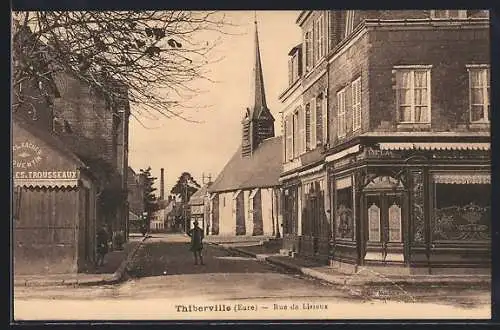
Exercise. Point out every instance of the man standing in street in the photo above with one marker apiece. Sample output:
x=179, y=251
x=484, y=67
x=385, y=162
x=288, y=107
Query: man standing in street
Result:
x=196, y=235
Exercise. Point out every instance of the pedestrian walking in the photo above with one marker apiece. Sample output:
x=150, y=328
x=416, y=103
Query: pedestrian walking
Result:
x=102, y=244
x=197, y=235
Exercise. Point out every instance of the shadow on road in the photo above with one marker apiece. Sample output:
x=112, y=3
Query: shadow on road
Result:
x=160, y=258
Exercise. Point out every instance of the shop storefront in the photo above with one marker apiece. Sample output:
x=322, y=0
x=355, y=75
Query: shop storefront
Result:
x=53, y=214
x=413, y=208
x=306, y=215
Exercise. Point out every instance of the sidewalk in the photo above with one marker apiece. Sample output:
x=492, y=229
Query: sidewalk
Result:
x=364, y=277
x=233, y=239
x=111, y=272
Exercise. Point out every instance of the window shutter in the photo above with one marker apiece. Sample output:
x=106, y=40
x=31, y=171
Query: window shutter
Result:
x=356, y=104
x=301, y=137
x=360, y=103
x=285, y=141
x=308, y=126
x=319, y=119
x=289, y=137
x=325, y=116
x=313, y=123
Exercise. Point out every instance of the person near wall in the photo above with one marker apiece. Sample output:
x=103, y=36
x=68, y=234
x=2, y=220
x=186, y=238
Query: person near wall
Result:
x=102, y=244
x=197, y=235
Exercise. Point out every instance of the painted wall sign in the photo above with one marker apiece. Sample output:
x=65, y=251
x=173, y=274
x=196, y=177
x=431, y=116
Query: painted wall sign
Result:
x=375, y=153
x=26, y=155
x=31, y=161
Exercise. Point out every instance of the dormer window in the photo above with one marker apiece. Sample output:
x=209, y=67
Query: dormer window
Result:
x=294, y=64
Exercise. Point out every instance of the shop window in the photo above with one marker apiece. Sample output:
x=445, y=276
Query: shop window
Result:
x=479, y=93
x=394, y=220
x=344, y=222
x=374, y=232
x=461, y=210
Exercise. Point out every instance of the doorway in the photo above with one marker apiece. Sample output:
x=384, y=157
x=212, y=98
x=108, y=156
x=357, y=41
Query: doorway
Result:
x=384, y=222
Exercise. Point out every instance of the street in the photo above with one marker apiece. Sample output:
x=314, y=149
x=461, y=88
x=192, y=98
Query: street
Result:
x=164, y=283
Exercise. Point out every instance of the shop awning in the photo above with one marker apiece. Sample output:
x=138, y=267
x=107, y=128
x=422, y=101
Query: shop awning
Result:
x=433, y=146
x=343, y=153
x=46, y=183
x=462, y=178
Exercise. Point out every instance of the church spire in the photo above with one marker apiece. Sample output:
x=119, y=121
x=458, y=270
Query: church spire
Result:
x=258, y=123
x=258, y=79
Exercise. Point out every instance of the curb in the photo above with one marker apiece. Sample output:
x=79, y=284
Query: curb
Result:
x=120, y=273
x=114, y=278
x=351, y=280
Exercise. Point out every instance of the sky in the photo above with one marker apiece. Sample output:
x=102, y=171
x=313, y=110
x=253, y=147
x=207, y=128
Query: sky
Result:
x=197, y=148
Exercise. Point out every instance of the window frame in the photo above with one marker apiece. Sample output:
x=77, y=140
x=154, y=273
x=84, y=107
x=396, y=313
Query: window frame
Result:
x=341, y=113
x=308, y=45
x=356, y=95
x=413, y=69
x=349, y=23
x=486, y=89
x=462, y=14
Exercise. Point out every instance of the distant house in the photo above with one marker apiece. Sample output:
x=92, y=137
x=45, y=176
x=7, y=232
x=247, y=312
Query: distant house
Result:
x=244, y=197
x=199, y=205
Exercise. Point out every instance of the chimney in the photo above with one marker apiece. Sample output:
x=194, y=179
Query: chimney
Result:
x=162, y=184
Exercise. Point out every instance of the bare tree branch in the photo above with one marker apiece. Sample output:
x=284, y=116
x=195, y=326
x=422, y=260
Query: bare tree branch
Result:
x=156, y=55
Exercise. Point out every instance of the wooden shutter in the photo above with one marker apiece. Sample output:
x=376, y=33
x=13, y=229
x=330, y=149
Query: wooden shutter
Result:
x=325, y=115
x=289, y=137
x=308, y=126
x=313, y=123
x=301, y=137
x=319, y=119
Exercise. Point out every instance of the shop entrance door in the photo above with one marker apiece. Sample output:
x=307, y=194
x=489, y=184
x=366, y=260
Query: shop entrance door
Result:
x=384, y=223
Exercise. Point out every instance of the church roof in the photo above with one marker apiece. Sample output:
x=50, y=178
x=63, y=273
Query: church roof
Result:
x=260, y=170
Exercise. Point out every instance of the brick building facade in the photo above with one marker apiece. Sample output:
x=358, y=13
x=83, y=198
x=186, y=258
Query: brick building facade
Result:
x=407, y=151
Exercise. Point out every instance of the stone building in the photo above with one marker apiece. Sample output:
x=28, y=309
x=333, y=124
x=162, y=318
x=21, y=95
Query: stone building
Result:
x=407, y=152
x=245, y=195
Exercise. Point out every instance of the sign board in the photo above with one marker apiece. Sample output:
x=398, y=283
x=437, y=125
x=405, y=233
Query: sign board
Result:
x=33, y=162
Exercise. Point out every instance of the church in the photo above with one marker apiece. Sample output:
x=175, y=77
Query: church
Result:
x=245, y=197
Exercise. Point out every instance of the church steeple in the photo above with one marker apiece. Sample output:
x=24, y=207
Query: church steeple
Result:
x=258, y=79
x=258, y=123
